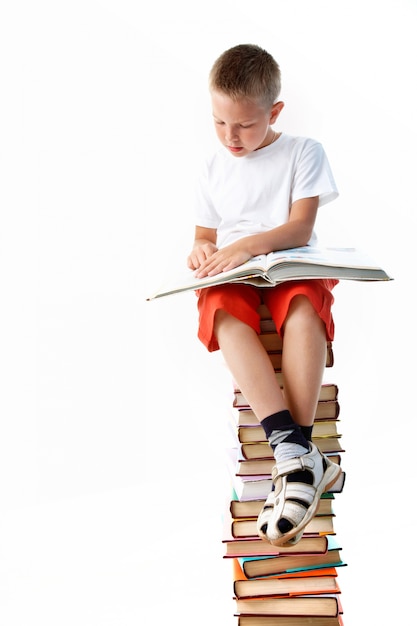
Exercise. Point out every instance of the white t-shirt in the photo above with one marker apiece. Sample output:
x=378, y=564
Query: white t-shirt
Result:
x=253, y=194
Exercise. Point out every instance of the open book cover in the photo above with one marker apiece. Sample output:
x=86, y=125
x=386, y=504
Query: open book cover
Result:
x=267, y=270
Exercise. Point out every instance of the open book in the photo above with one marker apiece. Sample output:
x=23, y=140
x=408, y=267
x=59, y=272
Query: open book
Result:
x=267, y=270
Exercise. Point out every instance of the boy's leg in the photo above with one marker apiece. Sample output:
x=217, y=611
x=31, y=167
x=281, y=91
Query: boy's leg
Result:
x=228, y=320
x=299, y=483
x=304, y=335
x=251, y=367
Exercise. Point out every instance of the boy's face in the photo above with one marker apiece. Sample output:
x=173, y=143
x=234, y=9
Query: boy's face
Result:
x=243, y=126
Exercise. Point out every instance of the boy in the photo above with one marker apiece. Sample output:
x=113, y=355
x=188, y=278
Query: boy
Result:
x=260, y=192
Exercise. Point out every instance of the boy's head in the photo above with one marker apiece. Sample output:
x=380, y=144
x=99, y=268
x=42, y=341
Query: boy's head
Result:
x=244, y=84
x=247, y=72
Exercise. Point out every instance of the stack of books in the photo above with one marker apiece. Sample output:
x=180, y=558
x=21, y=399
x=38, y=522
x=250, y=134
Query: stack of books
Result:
x=281, y=586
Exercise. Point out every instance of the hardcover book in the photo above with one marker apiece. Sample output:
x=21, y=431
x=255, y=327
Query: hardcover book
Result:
x=267, y=270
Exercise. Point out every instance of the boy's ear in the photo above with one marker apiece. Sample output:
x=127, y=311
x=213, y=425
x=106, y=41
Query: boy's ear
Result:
x=275, y=111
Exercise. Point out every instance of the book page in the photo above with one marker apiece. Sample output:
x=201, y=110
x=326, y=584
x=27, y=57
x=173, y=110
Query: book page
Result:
x=335, y=256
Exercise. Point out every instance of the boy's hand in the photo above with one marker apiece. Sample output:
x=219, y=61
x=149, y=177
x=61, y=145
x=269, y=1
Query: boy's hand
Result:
x=200, y=254
x=224, y=259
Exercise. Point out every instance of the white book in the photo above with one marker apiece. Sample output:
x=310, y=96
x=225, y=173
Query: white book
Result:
x=267, y=270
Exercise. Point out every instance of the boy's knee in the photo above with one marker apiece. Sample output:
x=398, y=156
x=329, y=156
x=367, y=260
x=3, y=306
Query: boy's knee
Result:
x=301, y=311
x=219, y=316
x=222, y=317
x=301, y=304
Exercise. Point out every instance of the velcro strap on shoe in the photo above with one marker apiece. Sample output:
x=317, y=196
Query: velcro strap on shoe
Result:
x=288, y=467
x=300, y=491
x=293, y=465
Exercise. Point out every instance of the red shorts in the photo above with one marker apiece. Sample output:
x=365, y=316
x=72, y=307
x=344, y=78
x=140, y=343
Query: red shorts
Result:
x=242, y=301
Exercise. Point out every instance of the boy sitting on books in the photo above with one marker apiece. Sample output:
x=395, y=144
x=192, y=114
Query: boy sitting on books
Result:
x=260, y=192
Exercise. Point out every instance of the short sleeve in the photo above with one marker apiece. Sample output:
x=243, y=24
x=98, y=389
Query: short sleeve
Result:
x=312, y=175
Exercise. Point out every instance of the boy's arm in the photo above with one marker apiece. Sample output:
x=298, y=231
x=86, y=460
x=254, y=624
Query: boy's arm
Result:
x=293, y=234
x=203, y=248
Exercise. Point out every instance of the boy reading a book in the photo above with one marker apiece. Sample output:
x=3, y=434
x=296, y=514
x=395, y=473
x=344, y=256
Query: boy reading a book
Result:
x=260, y=192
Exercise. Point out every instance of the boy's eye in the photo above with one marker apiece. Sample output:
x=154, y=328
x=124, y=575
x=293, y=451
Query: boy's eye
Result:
x=220, y=123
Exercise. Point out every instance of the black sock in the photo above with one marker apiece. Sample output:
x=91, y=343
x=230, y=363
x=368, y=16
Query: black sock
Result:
x=282, y=421
x=307, y=432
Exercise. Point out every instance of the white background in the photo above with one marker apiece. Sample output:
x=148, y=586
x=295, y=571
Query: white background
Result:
x=112, y=483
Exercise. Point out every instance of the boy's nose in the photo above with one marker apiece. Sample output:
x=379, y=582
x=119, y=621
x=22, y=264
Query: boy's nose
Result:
x=231, y=134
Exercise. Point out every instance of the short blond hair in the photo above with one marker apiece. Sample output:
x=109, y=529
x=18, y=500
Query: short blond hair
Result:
x=247, y=71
